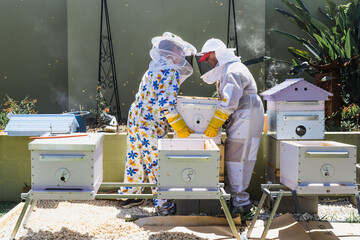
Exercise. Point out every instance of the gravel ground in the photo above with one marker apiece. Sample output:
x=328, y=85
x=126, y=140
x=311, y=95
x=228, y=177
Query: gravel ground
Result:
x=105, y=219
x=80, y=220
x=329, y=209
x=93, y=128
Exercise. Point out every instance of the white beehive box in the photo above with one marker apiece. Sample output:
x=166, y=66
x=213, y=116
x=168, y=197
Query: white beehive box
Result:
x=188, y=167
x=39, y=124
x=197, y=112
x=295, y=110
x=67, y=168
x=318, y=167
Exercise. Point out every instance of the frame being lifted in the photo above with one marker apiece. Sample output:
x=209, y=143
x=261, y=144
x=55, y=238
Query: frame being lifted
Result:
x=31, y=198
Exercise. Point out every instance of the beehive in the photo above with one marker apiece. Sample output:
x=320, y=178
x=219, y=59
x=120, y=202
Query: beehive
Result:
x=295, y=110
x=39, y=124
x=318, y=167
x=188, y=168
x=197, y=112
x=66, y=168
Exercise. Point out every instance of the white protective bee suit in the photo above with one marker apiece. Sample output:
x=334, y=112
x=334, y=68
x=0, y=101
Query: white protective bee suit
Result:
x=238, y=91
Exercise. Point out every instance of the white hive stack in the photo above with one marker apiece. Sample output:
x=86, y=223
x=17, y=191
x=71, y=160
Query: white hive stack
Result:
x=295, y=111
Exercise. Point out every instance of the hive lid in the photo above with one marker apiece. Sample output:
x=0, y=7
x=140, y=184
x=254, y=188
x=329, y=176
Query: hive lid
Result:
x=296, y=89
x=39, y=124
x=82, y=142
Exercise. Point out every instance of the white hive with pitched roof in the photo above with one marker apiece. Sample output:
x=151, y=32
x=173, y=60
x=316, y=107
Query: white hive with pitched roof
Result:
x=295, y=110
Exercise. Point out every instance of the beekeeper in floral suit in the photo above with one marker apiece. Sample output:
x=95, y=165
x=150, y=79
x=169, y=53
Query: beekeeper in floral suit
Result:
x=244, y=109
x=150, y=113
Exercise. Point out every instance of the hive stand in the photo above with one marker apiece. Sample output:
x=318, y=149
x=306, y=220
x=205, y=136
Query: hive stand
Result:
x=31, y=199
x=276, y=192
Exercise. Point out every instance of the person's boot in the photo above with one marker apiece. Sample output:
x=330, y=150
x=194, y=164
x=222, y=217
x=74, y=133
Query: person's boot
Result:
x=246, y=212
x=128, y=203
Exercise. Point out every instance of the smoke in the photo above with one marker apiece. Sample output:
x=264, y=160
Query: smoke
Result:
x=251, y=35
x=275, y=70
x=256, y=45
x=59, y=97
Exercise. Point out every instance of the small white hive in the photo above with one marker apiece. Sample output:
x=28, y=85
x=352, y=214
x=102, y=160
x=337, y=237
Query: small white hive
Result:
x=69, y=168
x=318, y=167
x=188, y=168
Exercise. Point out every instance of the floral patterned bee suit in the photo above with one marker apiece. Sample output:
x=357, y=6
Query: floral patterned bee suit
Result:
x=147, y=118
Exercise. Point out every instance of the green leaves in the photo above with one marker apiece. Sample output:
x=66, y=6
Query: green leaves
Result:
x=332, y=45
x=347, y=45
x=310, y=47
x=326, y=43
x=299, y=54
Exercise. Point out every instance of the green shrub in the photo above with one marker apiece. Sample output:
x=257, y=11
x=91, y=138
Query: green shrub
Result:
x=25, y=106
x=350, y=118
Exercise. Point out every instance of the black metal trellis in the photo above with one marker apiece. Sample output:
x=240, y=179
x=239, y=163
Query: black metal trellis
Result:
x=232, y=41
x=107, y=73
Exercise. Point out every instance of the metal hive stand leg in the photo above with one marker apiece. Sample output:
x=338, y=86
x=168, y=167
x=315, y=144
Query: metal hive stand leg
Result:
x=272, y=214
x=357, y=202
x=261, y=203
x=229, y=218
x=22, y=214
x=27, y=216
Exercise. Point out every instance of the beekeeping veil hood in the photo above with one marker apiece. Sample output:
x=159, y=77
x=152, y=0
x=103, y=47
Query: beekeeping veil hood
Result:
x=223, y=55
x=170, y=50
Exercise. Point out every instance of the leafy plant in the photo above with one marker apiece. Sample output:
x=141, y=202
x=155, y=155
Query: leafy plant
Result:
x=102, y=108
x=25, y=106
x=350, y=118
x=332, y=46
x=353, y=218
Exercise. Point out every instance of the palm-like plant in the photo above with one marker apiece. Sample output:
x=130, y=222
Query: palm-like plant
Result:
x=331, y=47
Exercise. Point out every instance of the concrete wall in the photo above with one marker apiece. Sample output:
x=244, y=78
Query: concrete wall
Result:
x=33, y=56
x=135, y=23
x=49, y=48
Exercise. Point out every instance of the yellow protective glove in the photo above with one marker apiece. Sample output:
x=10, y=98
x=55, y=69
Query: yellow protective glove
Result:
x=179, y=126
x=184, y=132
x=216, y=122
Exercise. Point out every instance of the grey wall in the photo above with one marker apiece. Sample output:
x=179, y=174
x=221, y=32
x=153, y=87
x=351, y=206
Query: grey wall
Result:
x=134, y=23
x=49, y=48
x=33, y=56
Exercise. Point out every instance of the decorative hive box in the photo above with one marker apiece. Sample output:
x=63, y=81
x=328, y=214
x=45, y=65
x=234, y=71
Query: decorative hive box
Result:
x=188, y=168
x=295, y=110
x=318, y=167
x=39, y=124
x=68, y=168
x=197, y=113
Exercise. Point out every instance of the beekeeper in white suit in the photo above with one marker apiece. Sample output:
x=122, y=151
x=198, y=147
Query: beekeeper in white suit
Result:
x=242, y=106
